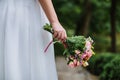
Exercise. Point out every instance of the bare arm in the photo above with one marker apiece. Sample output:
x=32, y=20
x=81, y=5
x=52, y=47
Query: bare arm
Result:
x=49, y=10
x=59, y=31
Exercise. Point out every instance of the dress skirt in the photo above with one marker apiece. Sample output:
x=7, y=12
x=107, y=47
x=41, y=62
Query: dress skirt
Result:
x=23, y=41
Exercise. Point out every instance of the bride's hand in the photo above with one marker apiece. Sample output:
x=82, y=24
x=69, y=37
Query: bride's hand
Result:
x=59, y=32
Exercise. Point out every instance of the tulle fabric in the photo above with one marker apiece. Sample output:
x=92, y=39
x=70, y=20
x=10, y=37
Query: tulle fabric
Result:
x=23, y=40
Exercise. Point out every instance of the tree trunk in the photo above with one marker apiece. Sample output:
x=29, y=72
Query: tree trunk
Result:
x=113, y=25
x=84, y=21
x=87, y=19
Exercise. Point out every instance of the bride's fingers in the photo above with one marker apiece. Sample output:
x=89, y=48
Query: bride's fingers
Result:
x=59, y=36
x=62, y=36
x=55, y=34
x=65, y=37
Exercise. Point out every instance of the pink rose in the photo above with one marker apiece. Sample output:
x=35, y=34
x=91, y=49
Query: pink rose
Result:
x=71, y=64
x=75, y=62
x=89, y=53
x=78, y=63
x=88, y=45
x=86, y=56
x=83, y=55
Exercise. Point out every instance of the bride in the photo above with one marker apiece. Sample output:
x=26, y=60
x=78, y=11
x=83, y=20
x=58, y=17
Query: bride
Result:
x=23, y=40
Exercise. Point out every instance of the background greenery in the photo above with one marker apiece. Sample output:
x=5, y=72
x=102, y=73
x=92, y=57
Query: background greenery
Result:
x=99, y=19
x=91, y=18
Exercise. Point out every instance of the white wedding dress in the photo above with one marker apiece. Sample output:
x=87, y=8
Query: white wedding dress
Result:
x=23, y=40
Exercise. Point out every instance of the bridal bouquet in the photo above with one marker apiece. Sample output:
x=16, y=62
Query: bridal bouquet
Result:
x=78, y=49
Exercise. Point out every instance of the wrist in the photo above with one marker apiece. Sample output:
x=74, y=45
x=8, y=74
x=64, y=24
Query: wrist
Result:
x=55, y=23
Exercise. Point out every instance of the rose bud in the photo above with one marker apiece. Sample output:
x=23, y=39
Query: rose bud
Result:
x=85, y=64
x=77, y=51
x=71, y=57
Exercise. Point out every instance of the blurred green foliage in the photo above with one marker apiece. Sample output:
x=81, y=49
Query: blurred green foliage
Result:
x=71, y=14
x=105, y=65
x=69, y=11
x=111, y=70
x=97, y=62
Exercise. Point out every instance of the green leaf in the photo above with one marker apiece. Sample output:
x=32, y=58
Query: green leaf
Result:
x=48, y=28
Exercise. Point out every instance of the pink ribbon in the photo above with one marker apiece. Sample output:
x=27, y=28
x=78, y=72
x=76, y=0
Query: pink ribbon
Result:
x=48, y=45
x=51, y=43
